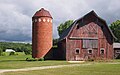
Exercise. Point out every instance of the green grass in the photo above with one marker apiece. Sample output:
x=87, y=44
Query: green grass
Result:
x=93, y=69
x=19, y=61
x=20, y=56
x=96, y=68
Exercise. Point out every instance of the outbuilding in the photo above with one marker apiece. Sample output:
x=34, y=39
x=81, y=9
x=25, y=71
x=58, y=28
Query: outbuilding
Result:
x=116, y=47
x=9, y=50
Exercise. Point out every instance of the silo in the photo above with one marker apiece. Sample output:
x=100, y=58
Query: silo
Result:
x=41, y=33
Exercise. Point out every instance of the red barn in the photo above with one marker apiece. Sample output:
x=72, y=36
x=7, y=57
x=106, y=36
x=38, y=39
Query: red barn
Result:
x=87, y=38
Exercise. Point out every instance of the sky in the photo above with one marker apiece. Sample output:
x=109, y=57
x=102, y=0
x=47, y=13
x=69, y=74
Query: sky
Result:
x=16, y=15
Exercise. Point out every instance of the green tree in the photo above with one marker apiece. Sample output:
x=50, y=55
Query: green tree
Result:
x=18, y=47
x=115, y=27
x=1, y=52
x=64, y=26
x=27, y=50
x=55, y=41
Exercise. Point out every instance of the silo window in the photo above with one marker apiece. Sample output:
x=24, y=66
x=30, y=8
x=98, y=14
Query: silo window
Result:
x=51, y=21
x=47, y=20
x=35, y=20
x=44, y=20
x=39, y=20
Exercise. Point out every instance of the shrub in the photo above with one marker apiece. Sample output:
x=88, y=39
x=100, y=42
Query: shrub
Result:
x=12, y=53
x=1, y=51
x=34, y=59
x=41, y=59
x=27, y=51
x=27, y=59
x=3, y=54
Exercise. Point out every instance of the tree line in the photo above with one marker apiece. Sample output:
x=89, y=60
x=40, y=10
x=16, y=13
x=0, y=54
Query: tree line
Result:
x=18, y=47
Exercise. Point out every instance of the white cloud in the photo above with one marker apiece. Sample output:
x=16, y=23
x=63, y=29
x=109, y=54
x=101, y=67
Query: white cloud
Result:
x=15, y=15
x=13, y=23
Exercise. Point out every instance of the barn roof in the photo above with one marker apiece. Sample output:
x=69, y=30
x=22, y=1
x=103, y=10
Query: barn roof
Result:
x=69, y=29
x=116, y=45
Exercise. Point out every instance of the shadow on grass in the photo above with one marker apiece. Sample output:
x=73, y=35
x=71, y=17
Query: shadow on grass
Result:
x=11, y=60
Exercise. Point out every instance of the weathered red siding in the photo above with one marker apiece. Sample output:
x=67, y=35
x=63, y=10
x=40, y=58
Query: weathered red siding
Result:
x=89, y=28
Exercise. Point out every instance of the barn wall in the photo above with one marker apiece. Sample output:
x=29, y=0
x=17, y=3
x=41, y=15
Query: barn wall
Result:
x=61, y=52
x=105, y=40
x=89, y=28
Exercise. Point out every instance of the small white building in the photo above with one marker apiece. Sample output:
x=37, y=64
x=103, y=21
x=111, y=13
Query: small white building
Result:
x=9, y=50
x=116, y=47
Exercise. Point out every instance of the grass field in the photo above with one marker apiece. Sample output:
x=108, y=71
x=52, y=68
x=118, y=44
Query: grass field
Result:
x=95, y=68
x=19, y=61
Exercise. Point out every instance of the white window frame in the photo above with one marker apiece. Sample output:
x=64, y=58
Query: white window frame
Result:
x=76, y=50
x=89, y=50
x=101, y=51
x=117, y=51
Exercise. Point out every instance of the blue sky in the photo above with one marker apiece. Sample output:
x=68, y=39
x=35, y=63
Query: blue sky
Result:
x=15, y=15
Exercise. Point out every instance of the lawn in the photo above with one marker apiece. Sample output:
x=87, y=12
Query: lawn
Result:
x=93, y=69
x=19, y=61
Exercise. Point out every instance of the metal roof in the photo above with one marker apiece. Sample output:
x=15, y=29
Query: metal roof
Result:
x=42, y=13
x=116, y=45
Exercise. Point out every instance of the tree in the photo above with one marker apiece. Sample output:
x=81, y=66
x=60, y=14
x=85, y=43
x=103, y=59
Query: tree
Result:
x=55, y=41
x=18, y=47
x=64, y=26
x=27, y=50
x=1, y=52
x=115, y=27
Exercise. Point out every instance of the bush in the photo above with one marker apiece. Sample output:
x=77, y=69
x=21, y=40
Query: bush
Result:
x=34, y=59
x=1, y=51
x=3, y=54
x=12, y=53
x=41, y=59
x=27, y=51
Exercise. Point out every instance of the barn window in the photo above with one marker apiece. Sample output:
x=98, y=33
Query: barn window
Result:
x=90, y=51
x=77, y=51
x=101, y=27
x=117, y=51
x=90, y=43
x=78, y=26
x=102, y=51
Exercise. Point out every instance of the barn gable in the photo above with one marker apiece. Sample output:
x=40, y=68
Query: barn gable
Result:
x=91, y=16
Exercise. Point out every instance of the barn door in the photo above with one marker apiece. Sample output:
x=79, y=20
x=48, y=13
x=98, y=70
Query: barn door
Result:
x=76, y=57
